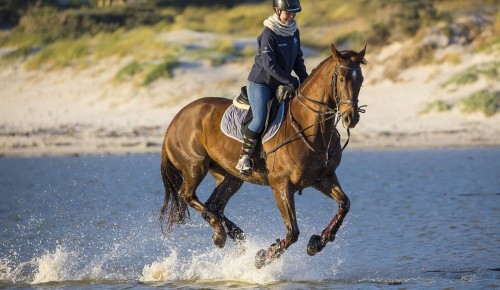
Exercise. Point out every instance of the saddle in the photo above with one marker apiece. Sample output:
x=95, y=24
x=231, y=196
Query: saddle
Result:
x=242, y=101
x=239, y=115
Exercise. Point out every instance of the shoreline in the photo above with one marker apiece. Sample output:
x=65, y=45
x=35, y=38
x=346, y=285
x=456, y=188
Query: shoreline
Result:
x=151, y=144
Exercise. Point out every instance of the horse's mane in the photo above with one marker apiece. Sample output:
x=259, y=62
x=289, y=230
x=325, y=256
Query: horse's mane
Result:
x=346, y=54
x=316, y=70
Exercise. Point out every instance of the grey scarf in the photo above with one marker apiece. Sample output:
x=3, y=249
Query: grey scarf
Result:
x=274, y=23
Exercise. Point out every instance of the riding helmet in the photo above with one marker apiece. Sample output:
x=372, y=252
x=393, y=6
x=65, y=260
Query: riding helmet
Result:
x=291, y=6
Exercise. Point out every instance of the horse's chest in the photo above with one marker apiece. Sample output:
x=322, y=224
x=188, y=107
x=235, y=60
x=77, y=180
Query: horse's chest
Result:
x=310, y=174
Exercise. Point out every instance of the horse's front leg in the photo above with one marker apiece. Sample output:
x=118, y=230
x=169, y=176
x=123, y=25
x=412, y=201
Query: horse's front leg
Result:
x=330, y=186
x=286, y=205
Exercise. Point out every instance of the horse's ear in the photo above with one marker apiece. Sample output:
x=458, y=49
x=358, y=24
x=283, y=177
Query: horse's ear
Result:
x=362, y=52
x=335, y=52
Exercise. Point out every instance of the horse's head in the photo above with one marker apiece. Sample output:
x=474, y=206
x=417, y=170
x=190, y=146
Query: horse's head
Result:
x=347, y=81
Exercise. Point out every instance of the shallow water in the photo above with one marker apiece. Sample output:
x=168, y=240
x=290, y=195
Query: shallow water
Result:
x=418, y=219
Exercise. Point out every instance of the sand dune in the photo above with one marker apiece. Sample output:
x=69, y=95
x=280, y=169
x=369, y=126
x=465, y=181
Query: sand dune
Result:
x=83, y=112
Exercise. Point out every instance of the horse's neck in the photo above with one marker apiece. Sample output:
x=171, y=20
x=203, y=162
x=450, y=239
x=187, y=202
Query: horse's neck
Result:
x=318, y=89
x=311, y=117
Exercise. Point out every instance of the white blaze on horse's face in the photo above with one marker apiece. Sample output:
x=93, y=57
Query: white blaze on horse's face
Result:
x=348, y=79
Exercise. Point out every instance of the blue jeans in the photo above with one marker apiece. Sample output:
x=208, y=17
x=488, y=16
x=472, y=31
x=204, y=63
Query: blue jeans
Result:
x=258, y=96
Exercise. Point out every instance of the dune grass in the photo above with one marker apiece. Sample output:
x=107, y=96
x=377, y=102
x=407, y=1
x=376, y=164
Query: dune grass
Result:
x=348, y=24
x=461, y=78
x=160, y=70
x=61, y=54
x=140, y=43
x=484, y=101
x=490, y=71
x=128, y=72
x=145, y=73
x=21, y=40
x=436, y=106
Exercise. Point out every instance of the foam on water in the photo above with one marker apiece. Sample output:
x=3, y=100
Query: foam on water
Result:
x=205, y=266
x=51, y=266
x=214, y=265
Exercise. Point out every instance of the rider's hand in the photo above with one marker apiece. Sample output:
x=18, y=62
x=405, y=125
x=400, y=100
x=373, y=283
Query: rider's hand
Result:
x=295, y=83
x=284, y=92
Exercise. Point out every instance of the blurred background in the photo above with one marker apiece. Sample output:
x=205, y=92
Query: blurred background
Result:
x=40, y=27
x=68, y=63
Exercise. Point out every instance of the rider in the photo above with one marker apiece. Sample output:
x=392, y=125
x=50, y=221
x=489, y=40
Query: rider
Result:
x=279, y=54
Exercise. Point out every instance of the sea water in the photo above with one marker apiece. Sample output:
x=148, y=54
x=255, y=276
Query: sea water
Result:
x=424, y=219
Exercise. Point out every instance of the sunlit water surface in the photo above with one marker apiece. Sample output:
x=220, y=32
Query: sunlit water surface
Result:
x=418, y=219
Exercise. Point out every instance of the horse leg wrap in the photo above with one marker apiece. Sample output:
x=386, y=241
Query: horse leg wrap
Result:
x=328, y=234
x=264, y=257
x=317, y=243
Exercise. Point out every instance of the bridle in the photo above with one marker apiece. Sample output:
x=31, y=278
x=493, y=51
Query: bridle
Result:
x=324, y=113
x=333, y=95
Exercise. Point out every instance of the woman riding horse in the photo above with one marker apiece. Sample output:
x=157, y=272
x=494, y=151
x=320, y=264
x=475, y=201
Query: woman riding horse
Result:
x=306, y=151
x=279, y=54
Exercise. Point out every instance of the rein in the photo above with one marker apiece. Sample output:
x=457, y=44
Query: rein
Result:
x=328, y=111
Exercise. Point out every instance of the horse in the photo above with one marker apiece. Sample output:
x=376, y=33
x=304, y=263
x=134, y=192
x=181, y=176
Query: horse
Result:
x=306, y=152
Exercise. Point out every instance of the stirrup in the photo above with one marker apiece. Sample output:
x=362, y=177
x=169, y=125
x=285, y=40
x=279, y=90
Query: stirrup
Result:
x=245, y=165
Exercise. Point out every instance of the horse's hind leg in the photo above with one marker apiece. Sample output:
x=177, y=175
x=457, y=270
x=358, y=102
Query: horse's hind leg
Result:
x=226, y=187
x=330, y=186
x=193, y=175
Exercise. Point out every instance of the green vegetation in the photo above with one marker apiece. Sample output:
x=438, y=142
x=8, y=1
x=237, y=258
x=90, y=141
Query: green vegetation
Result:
x=61, y=54
x=20, y=52
x=462, y=78
x=146, y=73
x=437, y=106
x=160, y=70
x=51, y=36
x=471, y=74
x=485, y=101
x=128, y=71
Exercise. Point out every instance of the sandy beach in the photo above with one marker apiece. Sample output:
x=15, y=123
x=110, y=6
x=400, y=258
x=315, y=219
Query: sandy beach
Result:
x=73, y=112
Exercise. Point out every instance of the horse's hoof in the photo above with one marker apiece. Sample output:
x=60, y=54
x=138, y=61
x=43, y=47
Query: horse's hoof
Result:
x=314, y=245
x=219, y=238
x=260, y=259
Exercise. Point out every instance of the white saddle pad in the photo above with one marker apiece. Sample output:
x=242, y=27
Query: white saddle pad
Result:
x=233, y=117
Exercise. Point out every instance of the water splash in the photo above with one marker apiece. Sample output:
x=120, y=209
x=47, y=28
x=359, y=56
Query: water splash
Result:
x=212, y=266
x=51, y=266
x=161, y=270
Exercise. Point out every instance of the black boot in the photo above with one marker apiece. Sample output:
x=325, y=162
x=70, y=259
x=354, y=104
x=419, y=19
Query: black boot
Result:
x=245, y=163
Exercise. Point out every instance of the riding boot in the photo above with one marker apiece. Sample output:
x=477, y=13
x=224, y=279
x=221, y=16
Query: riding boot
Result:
x=245, y=163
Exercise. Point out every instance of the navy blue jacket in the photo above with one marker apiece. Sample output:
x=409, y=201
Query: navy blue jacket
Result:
x=278, y=57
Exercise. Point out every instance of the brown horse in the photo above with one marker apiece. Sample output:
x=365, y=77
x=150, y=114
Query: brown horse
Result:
x=305, y=153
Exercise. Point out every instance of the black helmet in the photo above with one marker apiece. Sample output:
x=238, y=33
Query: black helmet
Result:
x=292, y=6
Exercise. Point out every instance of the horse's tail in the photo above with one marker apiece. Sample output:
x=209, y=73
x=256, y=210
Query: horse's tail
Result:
x=174, y=210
